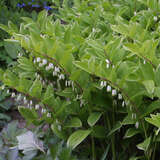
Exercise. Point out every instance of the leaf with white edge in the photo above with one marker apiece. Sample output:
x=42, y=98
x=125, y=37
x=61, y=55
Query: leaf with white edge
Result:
x=74, y=122
x=154, y=120
x=93, y=118
x=29, y=142
x=77, y=137
x=131, y=132
x=145, y=144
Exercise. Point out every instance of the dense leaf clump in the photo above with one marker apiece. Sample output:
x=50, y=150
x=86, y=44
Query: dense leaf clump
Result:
x=93, y=75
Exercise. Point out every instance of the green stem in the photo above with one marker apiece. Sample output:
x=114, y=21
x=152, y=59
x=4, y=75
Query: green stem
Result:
x=112, y=140
x=154, y=152
x=93, y=149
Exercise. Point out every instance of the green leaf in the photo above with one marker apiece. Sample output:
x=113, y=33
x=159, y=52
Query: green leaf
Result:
x=36, y=89
x=74, y=123
x=56, y=129
x=77, y=137
x=93, y=118
x=12, y=49
x=131, y=132
x=145, y=144
x=149, y=109
x=149, y=85
x=157, y=76
x=28, y=114
x=4, y=117
x=154, y=120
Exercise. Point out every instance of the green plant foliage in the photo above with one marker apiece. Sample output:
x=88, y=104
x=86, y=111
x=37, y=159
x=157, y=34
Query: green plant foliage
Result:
x=94, y=68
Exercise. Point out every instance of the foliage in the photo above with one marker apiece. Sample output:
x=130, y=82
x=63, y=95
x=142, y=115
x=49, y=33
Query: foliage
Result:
x=94, y=75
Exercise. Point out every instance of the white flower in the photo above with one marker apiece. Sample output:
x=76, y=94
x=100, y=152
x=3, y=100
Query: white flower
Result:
x=40, y=64
x=34, y=61
x=31, y=102
x=43, y=83
x=135, y=13
x=114, y=92
x=109, y=88
x=155, y=18
x=144, y=62
x=123, y=104
x=51, y=65
x=57, y=121
x=119, y=96
x=137, y=125
x=113, y=66
x=19, y=97
x=107, y=61
x=69, y=83
x=54, y=73
x=37, y=106
x=102, y=84
x=43, y=110
x=132, y=116
x=81, y=102
x=8, y=91
x=48, y=115
x=107, y=65
x=105, y=83
x=3, y=87
x=47, y=68
x=59, y=128
x=57, y=69
x=24, y=101
x=13, y=95
x=19, y=54
x=61, y=76
x=44, y=61
x=66, y=83
x=93, y=30
x=38, y=59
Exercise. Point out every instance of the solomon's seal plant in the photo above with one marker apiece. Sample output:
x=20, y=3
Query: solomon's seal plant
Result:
x=92, y=74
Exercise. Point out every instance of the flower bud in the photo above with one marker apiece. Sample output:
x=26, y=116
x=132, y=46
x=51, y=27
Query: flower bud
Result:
x=107, y=61
x=137, y=125
x=38, y=59
x=44, y=61
x=107, y=65
x=37, y=106
x=57, y=69
x=59, y=128
x=119, y=96
x=155, y=18
x=13, y=95
x=114, y=92
x=109, y=88
x=54, y=73
x=51, y=65
x=48, y=115
x=123, y=104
